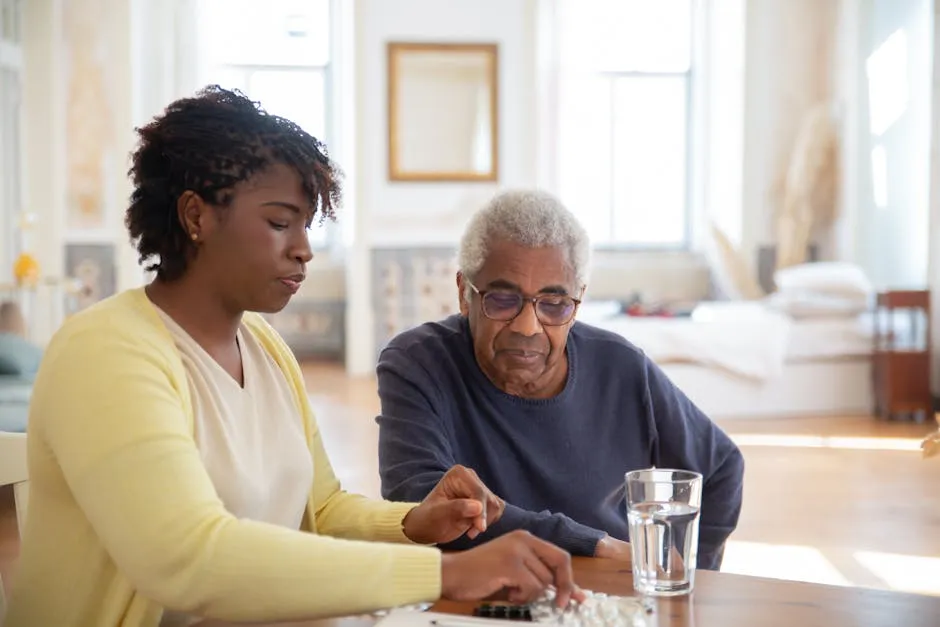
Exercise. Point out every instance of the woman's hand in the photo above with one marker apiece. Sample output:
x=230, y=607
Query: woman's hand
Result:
x=459, y=504
x=517, y=562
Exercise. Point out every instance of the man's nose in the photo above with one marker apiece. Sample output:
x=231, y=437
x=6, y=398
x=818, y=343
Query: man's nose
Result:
x=527, y=323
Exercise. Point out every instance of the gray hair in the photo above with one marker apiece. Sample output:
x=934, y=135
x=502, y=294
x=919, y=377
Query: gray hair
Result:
x=530, y=218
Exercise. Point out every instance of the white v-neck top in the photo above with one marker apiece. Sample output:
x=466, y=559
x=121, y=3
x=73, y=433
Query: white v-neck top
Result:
x=251, y=438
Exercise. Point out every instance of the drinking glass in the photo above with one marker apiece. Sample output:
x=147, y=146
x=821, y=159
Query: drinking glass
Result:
x=663, y=512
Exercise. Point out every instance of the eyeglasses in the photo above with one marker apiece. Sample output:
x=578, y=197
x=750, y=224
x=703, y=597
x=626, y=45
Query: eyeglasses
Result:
x=552, y=310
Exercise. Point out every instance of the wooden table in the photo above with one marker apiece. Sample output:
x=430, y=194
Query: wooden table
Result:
x=723, y=600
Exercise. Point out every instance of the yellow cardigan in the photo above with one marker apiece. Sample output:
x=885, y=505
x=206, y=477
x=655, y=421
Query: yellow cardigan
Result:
x=124, y=520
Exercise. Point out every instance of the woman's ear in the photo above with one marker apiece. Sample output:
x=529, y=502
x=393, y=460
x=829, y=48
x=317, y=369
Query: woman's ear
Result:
x=191, y=209
x=197, y=217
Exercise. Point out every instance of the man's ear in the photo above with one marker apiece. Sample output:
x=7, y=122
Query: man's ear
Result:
x=461, y=295
x=581, y=294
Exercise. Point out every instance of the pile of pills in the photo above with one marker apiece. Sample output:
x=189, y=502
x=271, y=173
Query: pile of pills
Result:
x=597, y=610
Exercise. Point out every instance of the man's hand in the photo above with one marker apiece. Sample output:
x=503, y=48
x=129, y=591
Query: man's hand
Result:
x=459, y=504
x=517, y=562
x=612, y=548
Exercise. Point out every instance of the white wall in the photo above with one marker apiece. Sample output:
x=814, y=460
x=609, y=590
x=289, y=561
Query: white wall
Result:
x=427, y=214
x=787, y=71
x=895, y=116
x=404, y=213
x=723, y=116
x=43, y=126
x=151, y=48
x=933, y=275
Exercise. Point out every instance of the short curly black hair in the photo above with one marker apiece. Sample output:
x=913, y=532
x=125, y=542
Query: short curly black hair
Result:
x=207, y=144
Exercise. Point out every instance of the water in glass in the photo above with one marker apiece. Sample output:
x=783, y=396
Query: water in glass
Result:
x=663, y=514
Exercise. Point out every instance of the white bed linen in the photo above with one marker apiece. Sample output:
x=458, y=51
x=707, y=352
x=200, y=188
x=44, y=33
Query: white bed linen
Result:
x=814, y=339
x=744, y=338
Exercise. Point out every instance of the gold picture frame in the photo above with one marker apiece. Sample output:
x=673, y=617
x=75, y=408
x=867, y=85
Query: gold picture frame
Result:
x=443, y=112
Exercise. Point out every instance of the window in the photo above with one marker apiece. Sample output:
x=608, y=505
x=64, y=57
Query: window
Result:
x=11, y=76
x=277, y=52
x=623, y=119
x=11, y=21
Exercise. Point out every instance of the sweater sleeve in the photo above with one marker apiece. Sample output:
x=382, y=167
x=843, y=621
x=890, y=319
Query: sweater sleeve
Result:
x=105, y=407
x=687, y=438
x=415, y=450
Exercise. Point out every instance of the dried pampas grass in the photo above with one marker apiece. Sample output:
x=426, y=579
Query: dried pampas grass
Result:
x=809, y=189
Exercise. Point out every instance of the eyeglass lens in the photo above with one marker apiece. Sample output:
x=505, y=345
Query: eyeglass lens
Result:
x=549, y=308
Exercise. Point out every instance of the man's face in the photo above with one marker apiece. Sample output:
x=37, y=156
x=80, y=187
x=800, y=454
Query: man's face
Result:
x=524, y=355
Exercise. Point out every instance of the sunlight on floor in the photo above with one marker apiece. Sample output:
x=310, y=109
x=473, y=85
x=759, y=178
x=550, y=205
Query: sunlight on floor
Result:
x=892, y=571
x=910, y=573
x=780, y=561
x=825, y=441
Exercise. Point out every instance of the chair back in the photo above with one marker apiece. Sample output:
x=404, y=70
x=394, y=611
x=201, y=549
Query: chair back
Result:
x=13, y=471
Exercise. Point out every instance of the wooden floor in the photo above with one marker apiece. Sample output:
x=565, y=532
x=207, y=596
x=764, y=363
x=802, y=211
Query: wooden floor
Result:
x=840, y=500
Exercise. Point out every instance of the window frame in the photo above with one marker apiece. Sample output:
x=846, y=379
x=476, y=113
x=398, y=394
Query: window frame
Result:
x=690, y=77
x=11, y=132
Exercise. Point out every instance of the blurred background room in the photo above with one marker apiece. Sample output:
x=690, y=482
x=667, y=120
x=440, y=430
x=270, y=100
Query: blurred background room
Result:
x=760, y=179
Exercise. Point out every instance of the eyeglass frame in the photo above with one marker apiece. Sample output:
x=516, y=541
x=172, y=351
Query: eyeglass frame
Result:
x=525, y=301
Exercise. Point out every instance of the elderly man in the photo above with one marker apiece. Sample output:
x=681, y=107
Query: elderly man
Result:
x=549, y=412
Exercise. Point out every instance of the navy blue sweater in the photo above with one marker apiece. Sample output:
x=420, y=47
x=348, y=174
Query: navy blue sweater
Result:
x=559, y=463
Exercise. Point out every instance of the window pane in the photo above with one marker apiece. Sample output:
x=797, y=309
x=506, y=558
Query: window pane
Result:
x=298, y=95
x=17, y=21
x=6, y=21
x=268, y=32
x=650, y=153
x=584, y=152
x=231, y=78
x=626, y=35
x=10, y=162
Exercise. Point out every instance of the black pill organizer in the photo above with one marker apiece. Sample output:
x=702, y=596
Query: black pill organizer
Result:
x=505, y=611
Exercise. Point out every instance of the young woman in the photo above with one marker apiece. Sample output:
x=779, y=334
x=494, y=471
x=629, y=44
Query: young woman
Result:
x=176, y=469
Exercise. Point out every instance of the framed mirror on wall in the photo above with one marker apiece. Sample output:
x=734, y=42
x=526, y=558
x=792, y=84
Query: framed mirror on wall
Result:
x=443, y=112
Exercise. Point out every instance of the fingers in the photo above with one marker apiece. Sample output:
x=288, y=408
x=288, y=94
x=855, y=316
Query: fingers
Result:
x=527, y=587
x=465, y=515
x=539, y=569
x=466, y=508
x=494, y=508
x=492, y=504
x=559, y=562
x=463, y=482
